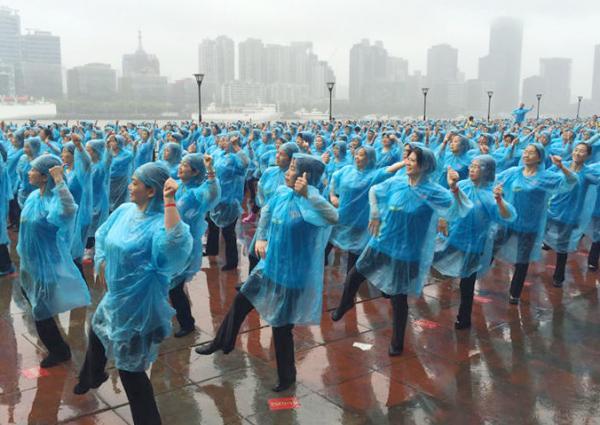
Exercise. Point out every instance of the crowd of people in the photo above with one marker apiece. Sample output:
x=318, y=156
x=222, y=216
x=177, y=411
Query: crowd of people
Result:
x=401, y=198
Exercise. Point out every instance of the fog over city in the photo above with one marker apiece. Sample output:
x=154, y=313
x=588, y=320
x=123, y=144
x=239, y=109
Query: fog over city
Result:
x=103, y=31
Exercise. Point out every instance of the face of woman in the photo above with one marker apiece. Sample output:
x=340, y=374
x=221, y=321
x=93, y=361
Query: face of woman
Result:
x=13, y=141
x=67, y=157
x=336, y=152
x=185, y=172
x=282, y=159
x=386, y=141
x=139, y=193
x=405, y=152
x=112, y=144
x=412, y=167
x=531, y=156
x=455, y=145
x=167, y=154
x=319, y=143
x=92, y=153
x=36, y=178
x=361, y=159
x=223, y=143
x=414, y=137
x=580, y=154
x=291, y=174
x=27, y=150
x=475, y=171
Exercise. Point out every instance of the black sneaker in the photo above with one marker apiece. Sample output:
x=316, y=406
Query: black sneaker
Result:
x=184, y=332
x=55, y=359
x=82, y=388
x=513, y=300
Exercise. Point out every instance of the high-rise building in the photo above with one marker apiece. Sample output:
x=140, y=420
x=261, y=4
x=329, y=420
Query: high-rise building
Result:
x=368, y=66
x=251, y=60
x=556, y=73
x=216, y=62
x=92, y=81
x=502, y=65
x=41, y=65
x=531, y=87
x=140, y=62
x=596, y=76
x=442, y=64
x=397, y=69
x=10, y=35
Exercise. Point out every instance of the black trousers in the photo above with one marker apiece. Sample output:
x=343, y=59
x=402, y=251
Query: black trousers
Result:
x=283, y=339
x=181, y=304
x=252, y=261
x=399, y=306
x=14, y=212
x=467, y=289
x=136, y=384
x=561, y=264
x=51, y=337
x=229, y=236
x=5, y=262
x=518, y=279
x=251, y=184
x=90, y=243
x=594, y=254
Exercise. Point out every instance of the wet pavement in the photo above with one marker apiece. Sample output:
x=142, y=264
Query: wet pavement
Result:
x=538, y=363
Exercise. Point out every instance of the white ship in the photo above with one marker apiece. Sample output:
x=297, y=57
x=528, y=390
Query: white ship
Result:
x=27, y=110
x=257, y=113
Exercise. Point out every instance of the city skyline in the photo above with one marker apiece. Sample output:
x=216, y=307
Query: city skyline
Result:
x=544, y=32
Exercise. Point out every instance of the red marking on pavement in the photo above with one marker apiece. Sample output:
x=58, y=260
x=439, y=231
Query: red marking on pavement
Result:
x=482, y=300
x=550, y=267
x=427, y=324
x=284, y=403
x=528, y=283
x=34, y=372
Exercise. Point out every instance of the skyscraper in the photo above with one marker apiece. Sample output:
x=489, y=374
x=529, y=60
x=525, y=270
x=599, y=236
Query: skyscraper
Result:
x=216, y=62
x=596, y=76
x=556, y=73
x=251, y=60
x=92, y=81
x=41, y=65
x=368, y=65
x=10, y=35
x=442, y=63
x=140, y=62
x=502, y=65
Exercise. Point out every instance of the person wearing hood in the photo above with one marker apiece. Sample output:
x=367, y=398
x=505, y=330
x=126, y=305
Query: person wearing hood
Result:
x=230, y=164
x=120, y=170
x=292, y=233
x=14, y=152
x=397, y=257
x=528, y=188
x=171, y=154
x=467, y=242
x=31, y=150
x=520, y=113
x=143, y=148
x=139, y=249
x=6, y=195
x=458, y=158
x=48, y=276
x=197, y=194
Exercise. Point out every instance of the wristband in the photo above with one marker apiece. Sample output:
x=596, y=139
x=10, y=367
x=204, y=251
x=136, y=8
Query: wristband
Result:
x=454, y=189
x=170, y=205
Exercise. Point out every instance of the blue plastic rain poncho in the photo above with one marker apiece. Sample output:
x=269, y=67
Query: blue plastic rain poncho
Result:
x=48, y=274
x=79, y=182
x=100, y=184
x=231, y=170
x=569, y=213
x=6, y=194
x=459, y=161
x=397, y=260
x=172, y=153
x=468, y=247
x=143, y=148
x=520, y=242
x=33, y=144
x=273, y=177
x=297, y=229
x=14, y=154
x=120, y=174
x=140, y=257
x=351, y=186
x=194, y=198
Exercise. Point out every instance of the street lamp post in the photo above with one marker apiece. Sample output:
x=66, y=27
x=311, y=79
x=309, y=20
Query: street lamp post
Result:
x=539, y=97
x=330, y=85
x=579, y=99
x=490, y=93
x=425, y=90
x=199, y=78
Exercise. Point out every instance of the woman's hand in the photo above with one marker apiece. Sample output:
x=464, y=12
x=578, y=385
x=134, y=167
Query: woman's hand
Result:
x=374, y=225
x=101, y=277
x=442, y=227
x=260, y=248
x=169, y=189
x=301, y=185
x=57, y=174
x=452, y=177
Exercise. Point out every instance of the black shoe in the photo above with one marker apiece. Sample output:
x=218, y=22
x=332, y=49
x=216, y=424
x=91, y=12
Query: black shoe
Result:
x=339, y=312
x=513, y=300
x=82, y=388
x=592, y=267
x=207, y=349
x=557, y=283
x=228, y=267
x=395, y=351
x=55, y=359
x=458, y=325
x=282, y=386
x=183, y=332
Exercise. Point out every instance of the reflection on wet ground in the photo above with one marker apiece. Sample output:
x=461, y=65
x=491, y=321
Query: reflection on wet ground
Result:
x=536, y=363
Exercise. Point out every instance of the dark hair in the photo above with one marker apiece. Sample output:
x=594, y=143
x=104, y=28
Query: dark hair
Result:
x=418, y=153
x=588, y=147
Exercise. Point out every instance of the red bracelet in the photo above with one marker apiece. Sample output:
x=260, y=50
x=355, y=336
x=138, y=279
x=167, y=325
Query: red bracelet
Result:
x=170, y=205
x=455, y=189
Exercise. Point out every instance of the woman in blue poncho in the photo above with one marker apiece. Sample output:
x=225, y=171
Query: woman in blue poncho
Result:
x=467, y=250
x=120, y=171
x=138, y=251
x=101, y=160
x=197, y=194
x=48, y=276
x=14, y=152
x=6, y=194
x=339, y=160
x=296, y=220
x=458, y=158
x=172, y=154
x=78, y=176
x=31, y=150
x=349, y=193
x=569, y=213
x=403, y=222
x=230, y=165
x=528, y=188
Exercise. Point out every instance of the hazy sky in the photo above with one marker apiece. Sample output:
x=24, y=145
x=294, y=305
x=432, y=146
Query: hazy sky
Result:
x=102, y=30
